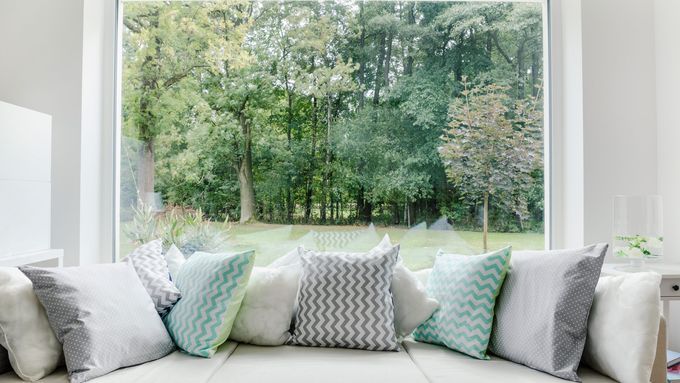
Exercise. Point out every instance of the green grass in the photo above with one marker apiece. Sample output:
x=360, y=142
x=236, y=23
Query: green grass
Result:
x=418, y=247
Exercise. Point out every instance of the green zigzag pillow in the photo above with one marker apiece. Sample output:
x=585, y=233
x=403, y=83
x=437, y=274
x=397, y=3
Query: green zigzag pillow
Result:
x=212, y=287
x=466, y=287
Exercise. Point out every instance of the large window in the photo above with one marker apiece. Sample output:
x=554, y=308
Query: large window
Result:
x=269, y=124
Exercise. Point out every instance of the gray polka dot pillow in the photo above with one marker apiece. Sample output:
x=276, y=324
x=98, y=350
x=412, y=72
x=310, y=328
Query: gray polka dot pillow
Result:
x=102, y=315
x=542, y=311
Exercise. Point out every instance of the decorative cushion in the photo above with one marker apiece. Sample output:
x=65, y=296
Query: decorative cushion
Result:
x=267, y=310
x=412, y=305
x=152, y=270
x=623, y=326
x=24, y=329
x=175, y=259
x=212, y=286
x=5, y=366
x=542, y=312
x=466, y=287
x=345, y=301
x=103, y=317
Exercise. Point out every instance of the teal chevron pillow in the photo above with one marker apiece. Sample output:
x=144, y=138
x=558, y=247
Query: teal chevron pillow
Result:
x=466, y=287
x=212, y=287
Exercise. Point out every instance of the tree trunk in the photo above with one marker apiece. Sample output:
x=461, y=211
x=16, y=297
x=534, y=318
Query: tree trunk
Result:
x=535, y=63
x=388, y=59
x=310, y=174
x=379, y=69
x=362, y=58
x=147, y=175
x=485, y=230
x=290, y=207
x=521, y=70
x=408, y=66
x=245, y=173
x=327, y=163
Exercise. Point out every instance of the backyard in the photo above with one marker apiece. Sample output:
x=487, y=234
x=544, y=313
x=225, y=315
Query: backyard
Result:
x=308, y=122
x=418, y=244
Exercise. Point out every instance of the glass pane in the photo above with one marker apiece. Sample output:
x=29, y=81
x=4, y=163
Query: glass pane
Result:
x=266, y=125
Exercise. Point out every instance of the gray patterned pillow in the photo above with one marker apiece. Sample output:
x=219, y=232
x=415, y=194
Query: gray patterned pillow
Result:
x=542, y=311
x=102, y=315
x=152, y=269
x=344, y=300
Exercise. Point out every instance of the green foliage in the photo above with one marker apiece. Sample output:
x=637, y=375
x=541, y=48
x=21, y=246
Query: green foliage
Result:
x=332, y=112
x=489, y=149
x=186, y=229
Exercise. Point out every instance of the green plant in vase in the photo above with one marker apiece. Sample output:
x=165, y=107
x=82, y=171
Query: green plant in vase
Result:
x=638, y=246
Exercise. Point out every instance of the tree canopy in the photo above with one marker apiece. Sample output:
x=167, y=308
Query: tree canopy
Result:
x=336, y=111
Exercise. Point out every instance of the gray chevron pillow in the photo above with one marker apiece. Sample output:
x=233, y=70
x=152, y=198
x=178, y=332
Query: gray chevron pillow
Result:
x=344, y=300
x=152, y=269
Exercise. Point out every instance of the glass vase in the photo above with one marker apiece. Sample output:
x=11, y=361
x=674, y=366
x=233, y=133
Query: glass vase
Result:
x=637, y=230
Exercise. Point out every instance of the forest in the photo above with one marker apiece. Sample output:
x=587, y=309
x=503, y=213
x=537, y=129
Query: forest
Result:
x=336, y=112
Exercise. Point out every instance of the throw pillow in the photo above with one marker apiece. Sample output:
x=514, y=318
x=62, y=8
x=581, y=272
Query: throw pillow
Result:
x=412, y=305
x=345, y=301
x=212, y=286
x=175, y=260
x=24, y=329
x=542, y=313
x=623, y=326
x=466, y=287
x=102, y=315
x=267, y=310
x=152, y=270
x=5, y=366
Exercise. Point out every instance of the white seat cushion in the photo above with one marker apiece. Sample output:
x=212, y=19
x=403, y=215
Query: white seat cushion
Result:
x=439, y=364
x=177, y=367
x=294, y=364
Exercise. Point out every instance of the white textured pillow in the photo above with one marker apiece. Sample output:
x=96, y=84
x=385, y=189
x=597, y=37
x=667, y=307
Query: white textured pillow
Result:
x=623, y=327
x=34, y=350
x=412, y=306
x=175, y=260
x=267, y=308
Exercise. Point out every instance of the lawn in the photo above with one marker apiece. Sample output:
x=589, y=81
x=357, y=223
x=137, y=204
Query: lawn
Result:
x=418, y=245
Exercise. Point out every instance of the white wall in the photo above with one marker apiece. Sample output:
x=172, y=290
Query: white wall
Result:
x=667, y=44
x=42, y=67
x=619, y=108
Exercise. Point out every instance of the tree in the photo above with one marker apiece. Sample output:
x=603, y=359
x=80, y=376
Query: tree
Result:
x=487, y=149
x=159, y=47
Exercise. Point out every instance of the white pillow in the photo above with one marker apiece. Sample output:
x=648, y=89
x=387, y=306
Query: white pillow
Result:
x=412, y=306
x=267, y=308
x=175, y=260
x=34, y=351
x=623, y=327
x=423, y=275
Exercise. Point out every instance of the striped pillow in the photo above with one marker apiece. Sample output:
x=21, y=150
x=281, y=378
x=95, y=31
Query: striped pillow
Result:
x=212, y=287
x=344, y=300
x=466, y=287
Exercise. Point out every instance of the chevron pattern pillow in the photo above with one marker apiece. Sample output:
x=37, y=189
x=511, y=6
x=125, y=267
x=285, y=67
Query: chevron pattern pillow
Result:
x=152, y=270
x=212, y=286
x=344, y=300
x=466, y=287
